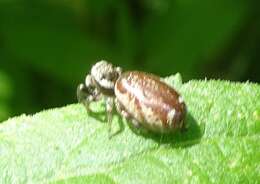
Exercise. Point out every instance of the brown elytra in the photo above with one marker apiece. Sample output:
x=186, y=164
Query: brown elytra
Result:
x=154, y=104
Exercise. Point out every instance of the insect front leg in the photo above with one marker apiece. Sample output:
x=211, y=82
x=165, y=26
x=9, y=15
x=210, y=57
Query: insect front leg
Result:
x=87, y=93
x=109, y=110
x=83, y=96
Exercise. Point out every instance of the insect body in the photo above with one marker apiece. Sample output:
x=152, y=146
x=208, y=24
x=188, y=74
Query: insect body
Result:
x=151, y=102
x=141, y=97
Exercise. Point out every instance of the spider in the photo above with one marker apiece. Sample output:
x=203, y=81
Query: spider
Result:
x=140, y=97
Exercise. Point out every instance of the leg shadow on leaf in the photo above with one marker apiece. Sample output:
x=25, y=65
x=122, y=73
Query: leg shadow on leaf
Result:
x=116, y=120
x=99, y=116
x=181, y=138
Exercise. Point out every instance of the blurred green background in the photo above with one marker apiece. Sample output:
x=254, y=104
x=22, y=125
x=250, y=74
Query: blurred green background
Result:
x=47, y=47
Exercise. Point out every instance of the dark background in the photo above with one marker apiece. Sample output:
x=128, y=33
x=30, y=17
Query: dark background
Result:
x=47, y=47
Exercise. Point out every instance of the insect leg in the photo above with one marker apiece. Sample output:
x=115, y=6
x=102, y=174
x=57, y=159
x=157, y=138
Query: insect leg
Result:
x=109, y=110
x=120, y=109
x=83, y=96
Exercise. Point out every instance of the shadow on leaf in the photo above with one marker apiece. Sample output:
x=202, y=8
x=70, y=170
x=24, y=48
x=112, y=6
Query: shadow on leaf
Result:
x=102, y=117
x=180, y=138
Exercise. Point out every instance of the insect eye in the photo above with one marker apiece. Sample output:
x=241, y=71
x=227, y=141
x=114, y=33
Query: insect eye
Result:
x=103, y=76
x=108, y=76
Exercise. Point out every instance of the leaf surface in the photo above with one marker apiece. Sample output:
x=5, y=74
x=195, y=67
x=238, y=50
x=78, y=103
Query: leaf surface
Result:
x=66, y=145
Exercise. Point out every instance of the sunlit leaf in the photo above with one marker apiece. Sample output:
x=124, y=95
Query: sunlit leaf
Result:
x=66, y=145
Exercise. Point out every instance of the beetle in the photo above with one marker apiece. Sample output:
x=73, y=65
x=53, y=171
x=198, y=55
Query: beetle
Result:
x=143, y=98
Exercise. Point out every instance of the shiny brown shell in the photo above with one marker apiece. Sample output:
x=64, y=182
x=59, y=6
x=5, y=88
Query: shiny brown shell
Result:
x=154, y=104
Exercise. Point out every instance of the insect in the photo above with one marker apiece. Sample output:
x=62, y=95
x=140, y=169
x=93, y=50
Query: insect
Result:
x=140, y=97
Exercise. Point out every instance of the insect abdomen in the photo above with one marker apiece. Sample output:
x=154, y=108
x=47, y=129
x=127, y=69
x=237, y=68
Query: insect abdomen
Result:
x=154, y=104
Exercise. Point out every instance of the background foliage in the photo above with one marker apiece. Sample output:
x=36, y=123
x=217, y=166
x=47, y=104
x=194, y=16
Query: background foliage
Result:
x=46, y=47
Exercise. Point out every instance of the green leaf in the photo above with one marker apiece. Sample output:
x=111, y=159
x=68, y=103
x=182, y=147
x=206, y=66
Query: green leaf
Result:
x=66, y=145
